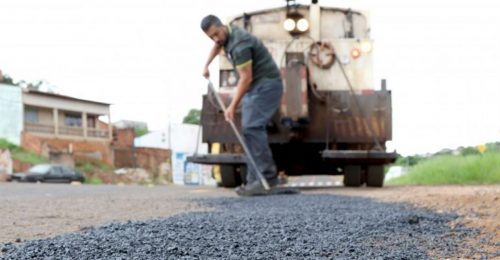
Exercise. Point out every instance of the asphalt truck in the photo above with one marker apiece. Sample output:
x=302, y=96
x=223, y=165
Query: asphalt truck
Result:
x=332, y=120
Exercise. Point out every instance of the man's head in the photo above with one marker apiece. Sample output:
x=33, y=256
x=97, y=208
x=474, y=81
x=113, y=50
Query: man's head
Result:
x=214, y=29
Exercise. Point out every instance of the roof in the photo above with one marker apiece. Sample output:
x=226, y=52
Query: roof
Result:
x=298, y=6
x=40, y=93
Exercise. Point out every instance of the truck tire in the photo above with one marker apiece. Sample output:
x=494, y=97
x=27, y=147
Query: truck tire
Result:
x=230, y=178
x=242, y=172
x=352, y=176
x=375, y=176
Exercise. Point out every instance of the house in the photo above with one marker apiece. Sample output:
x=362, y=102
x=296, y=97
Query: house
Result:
x=46, y=122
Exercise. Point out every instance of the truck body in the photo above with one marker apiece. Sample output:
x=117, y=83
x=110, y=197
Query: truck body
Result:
x=331, y=120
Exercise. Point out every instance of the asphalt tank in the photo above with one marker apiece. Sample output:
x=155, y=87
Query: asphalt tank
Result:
x=332, y=120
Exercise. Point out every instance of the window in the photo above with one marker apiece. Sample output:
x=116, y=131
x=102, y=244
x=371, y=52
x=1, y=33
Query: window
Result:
x=31, y=115
x=56, y=171
x=71, y=119
x=91, y=122
x=40, y=168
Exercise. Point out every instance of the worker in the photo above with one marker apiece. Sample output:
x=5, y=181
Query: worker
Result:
x=259, y=89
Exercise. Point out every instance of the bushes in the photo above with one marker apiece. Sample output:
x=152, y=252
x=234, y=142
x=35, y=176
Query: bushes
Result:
x=465, y=165
x=449, y=169
x=4, y=144
x=21, y=155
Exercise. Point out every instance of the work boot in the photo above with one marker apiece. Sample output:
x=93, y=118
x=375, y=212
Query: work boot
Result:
x=252, y=189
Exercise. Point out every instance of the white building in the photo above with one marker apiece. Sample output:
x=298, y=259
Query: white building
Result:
x=183, y=140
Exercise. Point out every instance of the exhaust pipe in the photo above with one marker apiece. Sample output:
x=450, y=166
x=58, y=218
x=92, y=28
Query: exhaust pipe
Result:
x=315, y=20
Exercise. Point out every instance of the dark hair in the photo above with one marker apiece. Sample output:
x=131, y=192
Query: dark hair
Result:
x=210, y=20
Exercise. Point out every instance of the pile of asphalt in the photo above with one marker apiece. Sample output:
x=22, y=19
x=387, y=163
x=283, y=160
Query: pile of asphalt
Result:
x=281, y=226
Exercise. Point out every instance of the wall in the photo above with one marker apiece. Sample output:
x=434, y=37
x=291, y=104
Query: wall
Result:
x=18, y=166
x=11, y=113
x=151, y=159
x=147, y=158
x=5, y=164
x=45, y=116
x=154, y=160
x=123, y=138
x=124, y=158
x=64, y=158
x=81, y=149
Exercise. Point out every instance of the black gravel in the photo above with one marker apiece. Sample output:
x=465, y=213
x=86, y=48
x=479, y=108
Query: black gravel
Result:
x=276, y=227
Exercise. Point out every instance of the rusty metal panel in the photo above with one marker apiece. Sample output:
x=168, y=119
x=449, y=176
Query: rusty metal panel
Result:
x=294, y=101
x=349, y=123
x=334, y=25
x=338, y=121
x=215, y=127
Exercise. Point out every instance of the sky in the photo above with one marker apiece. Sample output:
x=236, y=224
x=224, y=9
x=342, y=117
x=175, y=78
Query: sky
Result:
x=441, y=59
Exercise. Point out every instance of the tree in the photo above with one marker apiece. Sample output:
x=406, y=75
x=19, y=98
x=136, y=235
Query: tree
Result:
x=140, y=131
x=6, y=79
x=193, y=117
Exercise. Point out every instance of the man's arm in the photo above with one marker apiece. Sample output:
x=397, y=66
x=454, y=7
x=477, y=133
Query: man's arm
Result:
x=246, y=76
x=214, y=52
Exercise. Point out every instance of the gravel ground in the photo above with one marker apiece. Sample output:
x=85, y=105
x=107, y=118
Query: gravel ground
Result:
x=293, y=226
x=396, y=222
x=31, y=211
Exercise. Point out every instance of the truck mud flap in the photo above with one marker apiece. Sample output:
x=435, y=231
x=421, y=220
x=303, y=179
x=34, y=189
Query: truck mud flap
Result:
x=218, y=159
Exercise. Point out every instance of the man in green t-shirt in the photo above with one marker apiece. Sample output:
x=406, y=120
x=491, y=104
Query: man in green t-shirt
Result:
x=259, y=89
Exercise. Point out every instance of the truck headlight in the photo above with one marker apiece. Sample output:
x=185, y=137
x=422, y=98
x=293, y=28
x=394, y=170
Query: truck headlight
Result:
x=295, y=23
x=303, y=25
x=289, y=24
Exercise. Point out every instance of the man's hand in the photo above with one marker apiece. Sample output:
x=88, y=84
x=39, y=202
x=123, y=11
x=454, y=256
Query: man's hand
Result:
x=214, y=52
x=230, y=111
x=206, y=72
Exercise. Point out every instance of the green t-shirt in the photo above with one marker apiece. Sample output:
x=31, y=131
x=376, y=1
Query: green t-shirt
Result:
x=242, y=48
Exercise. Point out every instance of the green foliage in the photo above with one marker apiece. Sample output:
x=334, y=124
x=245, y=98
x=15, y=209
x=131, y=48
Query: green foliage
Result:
x=28, y=157
x=85, y=167
x=444, y=152
x=21, y=155
x=94, y=180
x=193, y=117
x=92, y=167
x=469, y=151
x=91, y=170
x=4, y=144
x=409, y=160
x=6, y=79
x=140, y=131
x=449, y=169
x=493, y=147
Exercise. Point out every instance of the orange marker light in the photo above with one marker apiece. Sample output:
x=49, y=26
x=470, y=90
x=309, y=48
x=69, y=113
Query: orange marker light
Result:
x=355, y=53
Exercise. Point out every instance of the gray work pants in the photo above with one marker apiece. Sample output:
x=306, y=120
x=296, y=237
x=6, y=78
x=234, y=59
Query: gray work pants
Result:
x=258, y=106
